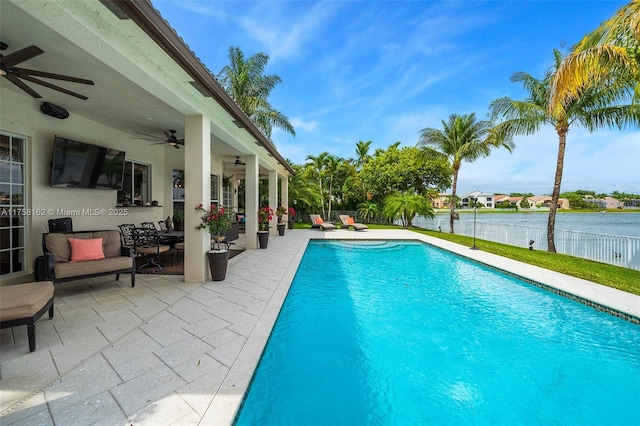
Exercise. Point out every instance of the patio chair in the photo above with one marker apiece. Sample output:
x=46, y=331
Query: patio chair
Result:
x=318, y=222
x=348, y=222
x=126, y=234
x=149, y=246
x=163, y=240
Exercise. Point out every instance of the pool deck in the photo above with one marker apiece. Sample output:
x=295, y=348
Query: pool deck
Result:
x=174, y=353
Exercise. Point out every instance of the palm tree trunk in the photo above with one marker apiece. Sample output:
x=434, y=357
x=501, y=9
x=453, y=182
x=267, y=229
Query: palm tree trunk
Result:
x=321, y=198
x=330, y=190
x=555, y=196
x=453, y=199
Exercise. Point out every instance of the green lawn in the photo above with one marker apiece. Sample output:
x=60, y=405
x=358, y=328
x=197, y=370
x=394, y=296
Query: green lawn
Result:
x=612, y=276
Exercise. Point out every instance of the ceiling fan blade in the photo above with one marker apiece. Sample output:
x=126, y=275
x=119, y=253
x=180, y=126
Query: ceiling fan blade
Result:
x=23, y=86
x=24, y=72
x=53, y=86
x=156, y=138
x=21, y=55
x=180, y=141
x=176, y=146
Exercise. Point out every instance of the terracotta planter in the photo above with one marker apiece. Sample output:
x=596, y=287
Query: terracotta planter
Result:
x=281, y=228
x=263, y=239
x=218, y=261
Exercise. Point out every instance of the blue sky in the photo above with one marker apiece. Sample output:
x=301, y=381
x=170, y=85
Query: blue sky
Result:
x=384, y=70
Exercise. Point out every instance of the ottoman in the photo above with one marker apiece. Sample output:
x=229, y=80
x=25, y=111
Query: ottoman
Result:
x=24, y=304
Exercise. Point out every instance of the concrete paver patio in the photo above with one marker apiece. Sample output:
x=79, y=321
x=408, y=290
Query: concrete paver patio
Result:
x=174, y=353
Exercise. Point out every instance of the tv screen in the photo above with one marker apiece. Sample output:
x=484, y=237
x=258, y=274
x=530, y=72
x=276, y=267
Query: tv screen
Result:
x=82, y=165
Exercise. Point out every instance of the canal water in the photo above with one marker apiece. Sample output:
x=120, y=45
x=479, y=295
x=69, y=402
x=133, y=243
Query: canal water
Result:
x=624, y=224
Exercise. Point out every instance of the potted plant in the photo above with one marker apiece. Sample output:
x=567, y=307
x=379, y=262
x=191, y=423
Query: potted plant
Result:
x=265, y=214
x=281, y=211
x=178, y=220
x=291, y=214
x=216, y=220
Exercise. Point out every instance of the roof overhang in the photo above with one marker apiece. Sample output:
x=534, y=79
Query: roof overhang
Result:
x=146, y=78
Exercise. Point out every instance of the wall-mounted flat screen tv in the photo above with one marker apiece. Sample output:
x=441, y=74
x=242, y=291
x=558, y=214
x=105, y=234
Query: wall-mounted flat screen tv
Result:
x=82, y=165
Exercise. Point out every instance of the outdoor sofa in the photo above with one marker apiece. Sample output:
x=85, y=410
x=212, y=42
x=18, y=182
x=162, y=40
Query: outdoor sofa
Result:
x=71, y=256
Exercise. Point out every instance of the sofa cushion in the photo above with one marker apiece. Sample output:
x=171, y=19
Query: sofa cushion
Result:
x=92, y=267
x=24, y=300
x=58, y=243
x=83, y=250
x=110, y=242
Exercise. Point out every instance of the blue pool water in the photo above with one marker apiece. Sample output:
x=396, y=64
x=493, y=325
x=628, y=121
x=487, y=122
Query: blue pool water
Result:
x=402, y=333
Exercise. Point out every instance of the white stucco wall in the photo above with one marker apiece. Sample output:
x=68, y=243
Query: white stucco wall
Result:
x=25, y=119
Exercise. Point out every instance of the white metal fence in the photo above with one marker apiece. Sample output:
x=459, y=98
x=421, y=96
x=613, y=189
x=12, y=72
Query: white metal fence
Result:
x=612, y=249
x=616, y=250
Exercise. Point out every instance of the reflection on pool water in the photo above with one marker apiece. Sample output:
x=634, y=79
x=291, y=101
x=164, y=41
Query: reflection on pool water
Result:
x=376, y=332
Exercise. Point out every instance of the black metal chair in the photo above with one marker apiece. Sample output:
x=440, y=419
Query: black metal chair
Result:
x=176, y=248
x=149, y=246
x=163, y=240
x=126, y=234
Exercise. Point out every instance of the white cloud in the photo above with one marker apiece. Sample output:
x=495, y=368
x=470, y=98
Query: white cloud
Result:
x=603, y=162
x=283, y=32
x=300, y=124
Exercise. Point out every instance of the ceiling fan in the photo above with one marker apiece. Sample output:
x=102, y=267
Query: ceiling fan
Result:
x=15, y=75
x=170, y=138
x=238, y=162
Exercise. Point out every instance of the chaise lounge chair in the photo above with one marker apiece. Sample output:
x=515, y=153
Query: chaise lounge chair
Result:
x=348, y=222
x=317, y=222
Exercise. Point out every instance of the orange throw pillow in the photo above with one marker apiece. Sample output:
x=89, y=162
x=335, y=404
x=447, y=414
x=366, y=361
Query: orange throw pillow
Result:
x=350, y=221
x=318, y=221
x=82, y=250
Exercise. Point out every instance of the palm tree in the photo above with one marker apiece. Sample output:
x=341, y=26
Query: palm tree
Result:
x=301, y=188
x=362, y=152
x=596, y=107
x=316, y=167
x=368, y=210
x=608, y=56
x=407, y=206
x=462, y=138
x=244, y=80
x=333, y=165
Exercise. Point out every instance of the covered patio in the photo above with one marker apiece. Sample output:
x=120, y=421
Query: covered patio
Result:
x=146, y=83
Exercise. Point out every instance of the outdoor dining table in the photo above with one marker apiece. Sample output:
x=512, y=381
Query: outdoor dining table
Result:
x=173, y=235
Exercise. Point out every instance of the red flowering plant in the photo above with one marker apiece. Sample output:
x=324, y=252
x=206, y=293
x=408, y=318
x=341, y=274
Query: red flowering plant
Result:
x=265, y=214
x=216, y=221
x=291, y=212
x=281, y=211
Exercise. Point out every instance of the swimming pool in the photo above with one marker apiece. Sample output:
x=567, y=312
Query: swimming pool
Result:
x=376, y=332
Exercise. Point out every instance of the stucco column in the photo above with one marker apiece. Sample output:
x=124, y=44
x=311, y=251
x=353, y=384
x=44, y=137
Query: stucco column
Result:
x=273, y=200
x=234, y=191
x=197, y=174
x=284, y=194
x=251, y=202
